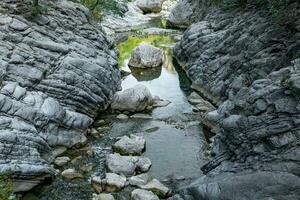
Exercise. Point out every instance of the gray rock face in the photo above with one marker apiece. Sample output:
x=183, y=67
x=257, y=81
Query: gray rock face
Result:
x=183, y=13
x=57, y=71
x=145, y=55
x=250, y=68
x=148, y=6
x=134, y=99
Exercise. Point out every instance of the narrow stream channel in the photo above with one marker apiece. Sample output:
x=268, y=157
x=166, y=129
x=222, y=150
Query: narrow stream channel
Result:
x=175, y=141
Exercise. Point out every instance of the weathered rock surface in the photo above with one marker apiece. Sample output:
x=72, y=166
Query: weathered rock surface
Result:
x=61, y=161
x=127, y=165
x=134, y=99
x=249, y=67
x=139, y=194
x=183, y=14
x=145, y=55
x=157, y=187
x=148, y=6
x=57, y=71
x=133, y=145
x=114, y=182
x=139, y=180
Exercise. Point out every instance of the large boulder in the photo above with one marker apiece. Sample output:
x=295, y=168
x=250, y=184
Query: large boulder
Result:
x=145, y=55
x=149, y=6
x=137, y=98
x=57, y=71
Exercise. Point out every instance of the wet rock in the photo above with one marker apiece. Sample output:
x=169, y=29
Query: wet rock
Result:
x=144, y=55
x=61, y=161
x=158, y=188
x=134, y=99
x=139, y=180
x=113, y=182
x=139, y=194
x=132, y=145
x=103, y=197
x=121, y=164
x=71, y=174
x=148, y=6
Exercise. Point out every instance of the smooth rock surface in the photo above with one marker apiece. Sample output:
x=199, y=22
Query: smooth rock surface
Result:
x=134, y=99
x=114, y=182
x=71, y=174
x=103, y=197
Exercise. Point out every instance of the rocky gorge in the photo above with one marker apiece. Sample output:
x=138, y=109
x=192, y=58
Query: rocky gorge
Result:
x=103, y=111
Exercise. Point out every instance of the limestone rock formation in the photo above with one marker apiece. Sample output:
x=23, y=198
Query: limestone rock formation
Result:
x=250, y=67
x=57, y=71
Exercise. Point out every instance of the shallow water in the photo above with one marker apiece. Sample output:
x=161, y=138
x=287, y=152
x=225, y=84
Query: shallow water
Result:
x=175, y=141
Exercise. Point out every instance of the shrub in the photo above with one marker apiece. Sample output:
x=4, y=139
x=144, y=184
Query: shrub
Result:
x=6, y=188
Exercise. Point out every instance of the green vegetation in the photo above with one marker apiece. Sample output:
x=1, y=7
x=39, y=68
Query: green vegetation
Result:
x=98, y=6
x=126, y=47
x=6, y=188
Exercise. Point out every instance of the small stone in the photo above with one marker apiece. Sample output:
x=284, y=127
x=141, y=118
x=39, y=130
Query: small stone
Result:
x=71, y=174
x=143, y=164
x=97, y=184
x=133, y=145
x=61, y=161
x=141, y=116
x=121, y=164
x=100, y=122
x=161, y=103
x=103, y=197
x=139, y=194
x=148, y=6
x=139, y=180
x=122, y=116
x=87, y=167
x=76, y=159
x=114, y=182
x=158, y=188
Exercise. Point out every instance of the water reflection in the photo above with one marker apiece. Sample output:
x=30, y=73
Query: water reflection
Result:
x=147, y=74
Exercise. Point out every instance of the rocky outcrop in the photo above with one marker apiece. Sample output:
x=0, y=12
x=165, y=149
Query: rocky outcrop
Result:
x=57, y=71
x=248, y=65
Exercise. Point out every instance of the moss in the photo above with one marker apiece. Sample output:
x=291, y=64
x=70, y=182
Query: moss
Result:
x=6, y=187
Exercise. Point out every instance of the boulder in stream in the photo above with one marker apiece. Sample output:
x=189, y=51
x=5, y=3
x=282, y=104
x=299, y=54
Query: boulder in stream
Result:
x=132, y=145
x=145, y=55
x=134, y=99
x=149, y=6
